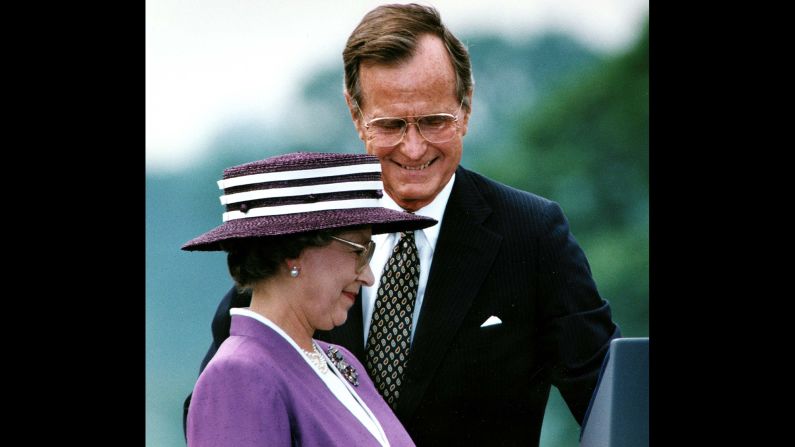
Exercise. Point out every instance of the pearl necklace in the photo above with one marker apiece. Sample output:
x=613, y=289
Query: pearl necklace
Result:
x=317, y=358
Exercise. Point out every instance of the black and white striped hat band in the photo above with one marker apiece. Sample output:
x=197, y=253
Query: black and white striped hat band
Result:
x=300, y=191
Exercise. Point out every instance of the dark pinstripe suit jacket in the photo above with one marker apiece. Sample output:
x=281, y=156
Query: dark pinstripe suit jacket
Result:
x=501, y=252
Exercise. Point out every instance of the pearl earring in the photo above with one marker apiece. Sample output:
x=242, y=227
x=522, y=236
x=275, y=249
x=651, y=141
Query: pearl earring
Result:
x=294, y=271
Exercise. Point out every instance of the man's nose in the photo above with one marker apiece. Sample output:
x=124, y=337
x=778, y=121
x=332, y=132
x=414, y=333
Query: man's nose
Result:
x=413, y=145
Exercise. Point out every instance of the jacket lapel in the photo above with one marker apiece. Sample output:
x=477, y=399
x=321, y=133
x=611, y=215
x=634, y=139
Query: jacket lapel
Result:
x=464, y=252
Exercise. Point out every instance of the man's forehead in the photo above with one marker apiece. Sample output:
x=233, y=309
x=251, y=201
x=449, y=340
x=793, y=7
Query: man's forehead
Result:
x=419, y=82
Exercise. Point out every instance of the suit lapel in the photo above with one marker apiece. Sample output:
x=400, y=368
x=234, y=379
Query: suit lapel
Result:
x=461, y=260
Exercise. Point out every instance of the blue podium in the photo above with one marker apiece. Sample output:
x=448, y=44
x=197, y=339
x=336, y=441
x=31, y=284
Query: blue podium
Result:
x=618, y=415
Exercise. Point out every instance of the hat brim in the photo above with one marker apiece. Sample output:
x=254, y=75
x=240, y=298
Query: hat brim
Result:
x=382, y=220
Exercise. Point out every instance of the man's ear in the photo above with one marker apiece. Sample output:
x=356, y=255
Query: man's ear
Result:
x=465, y=119
x=355, y=116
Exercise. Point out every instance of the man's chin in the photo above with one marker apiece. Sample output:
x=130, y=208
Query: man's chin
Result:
x=413, y=201
x=412, y=196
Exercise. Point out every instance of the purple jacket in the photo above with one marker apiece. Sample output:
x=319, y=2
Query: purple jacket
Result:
x=259, y=391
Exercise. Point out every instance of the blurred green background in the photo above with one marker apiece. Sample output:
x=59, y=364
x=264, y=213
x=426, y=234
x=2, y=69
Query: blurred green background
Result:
x=550, y=116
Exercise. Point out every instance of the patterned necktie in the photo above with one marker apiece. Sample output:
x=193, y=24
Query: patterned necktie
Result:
x=390, y=328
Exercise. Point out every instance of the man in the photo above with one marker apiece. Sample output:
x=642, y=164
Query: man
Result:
x=505, y=305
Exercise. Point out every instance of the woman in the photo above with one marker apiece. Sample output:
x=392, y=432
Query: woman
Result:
x=297, y=232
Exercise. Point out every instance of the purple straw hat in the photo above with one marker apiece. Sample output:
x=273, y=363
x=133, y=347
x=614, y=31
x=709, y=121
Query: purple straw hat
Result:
x=304, y=191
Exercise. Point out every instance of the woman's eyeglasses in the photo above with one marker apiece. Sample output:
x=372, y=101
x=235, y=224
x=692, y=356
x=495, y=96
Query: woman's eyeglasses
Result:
x=363, y=252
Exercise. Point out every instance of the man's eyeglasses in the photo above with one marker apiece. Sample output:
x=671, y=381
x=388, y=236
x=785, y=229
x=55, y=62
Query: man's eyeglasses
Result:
x=435, y=128
x=363, y=252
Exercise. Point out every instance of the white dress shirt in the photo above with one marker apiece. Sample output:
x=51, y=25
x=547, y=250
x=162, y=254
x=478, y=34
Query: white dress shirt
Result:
x=426, y=244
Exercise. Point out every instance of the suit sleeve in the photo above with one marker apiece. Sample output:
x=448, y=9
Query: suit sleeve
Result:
x=237, y=404
x=221, y=323
x=577, y=325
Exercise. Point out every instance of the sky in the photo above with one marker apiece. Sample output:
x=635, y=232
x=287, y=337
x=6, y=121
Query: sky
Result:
x=210, y=63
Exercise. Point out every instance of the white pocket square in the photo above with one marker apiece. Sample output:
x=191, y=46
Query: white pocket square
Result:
x=491, y=321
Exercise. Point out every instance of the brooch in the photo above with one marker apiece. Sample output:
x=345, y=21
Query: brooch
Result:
x=348, y=371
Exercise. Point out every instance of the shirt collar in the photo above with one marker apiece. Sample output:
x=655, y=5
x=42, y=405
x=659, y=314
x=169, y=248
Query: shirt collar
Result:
x=434, y=210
